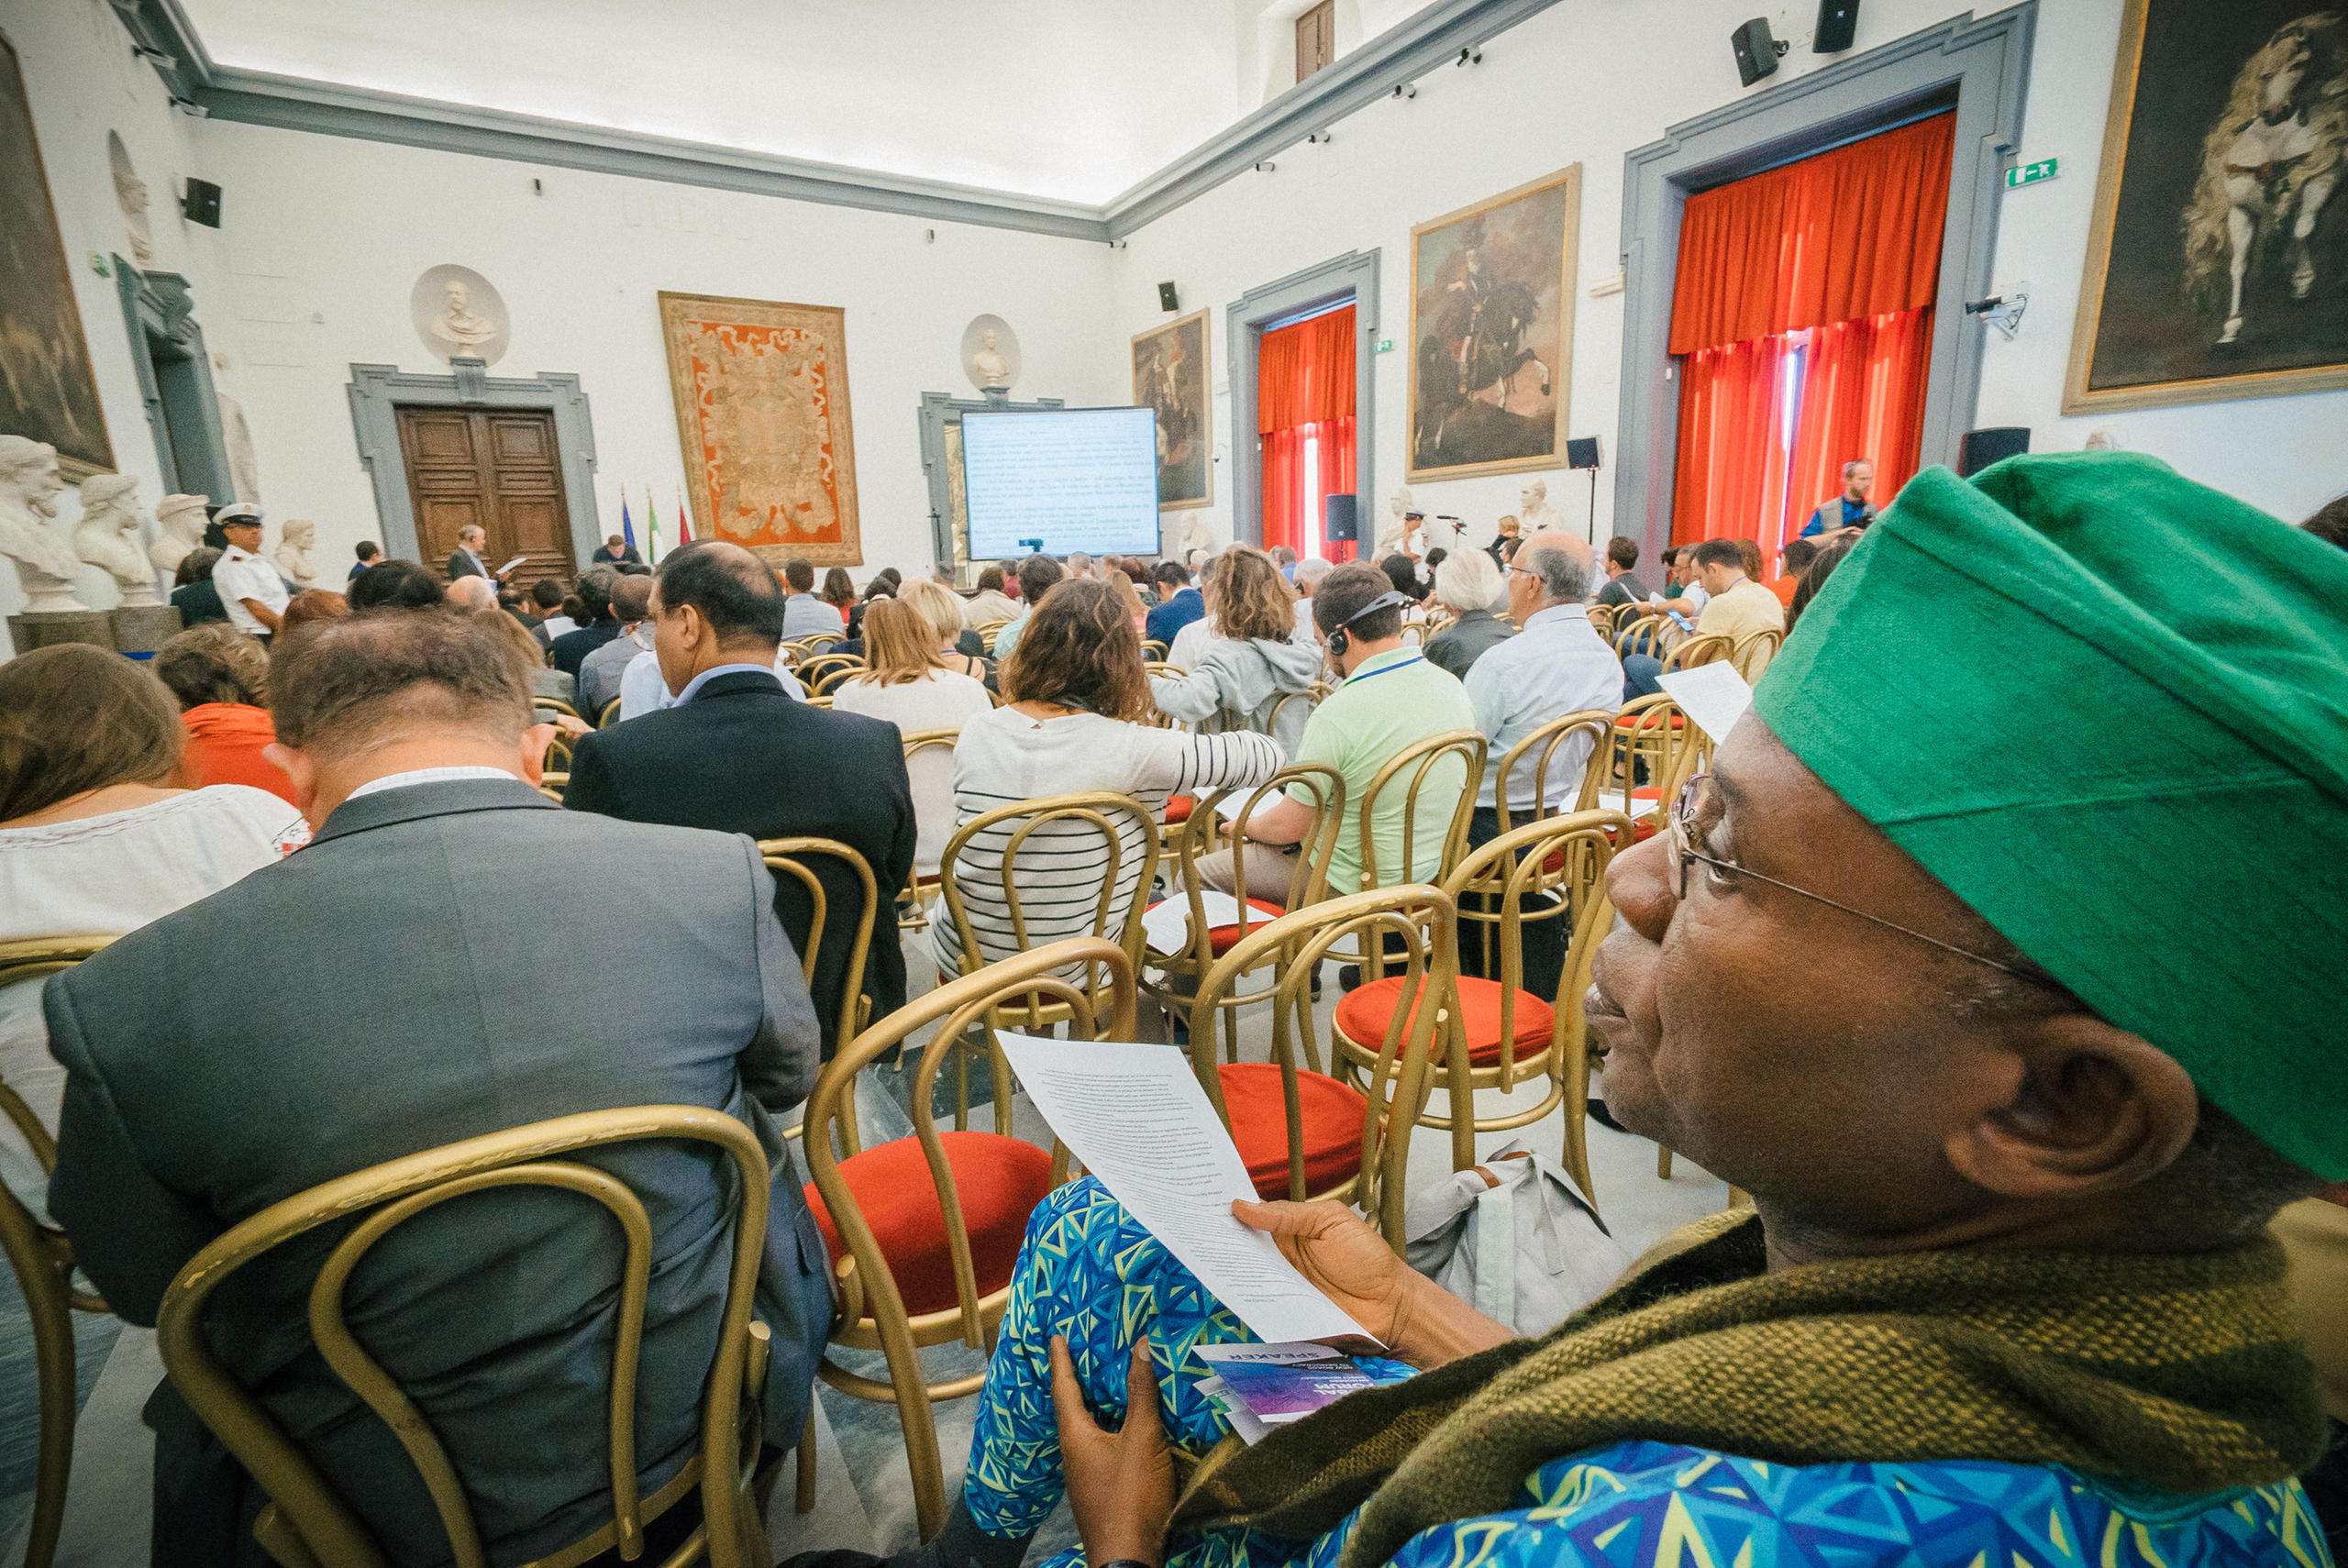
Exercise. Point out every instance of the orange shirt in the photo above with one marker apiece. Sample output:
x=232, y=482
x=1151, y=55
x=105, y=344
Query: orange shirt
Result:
x=1784, y=589
x=224, y=742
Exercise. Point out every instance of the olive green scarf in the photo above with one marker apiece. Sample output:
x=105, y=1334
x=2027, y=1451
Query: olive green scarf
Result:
x=2182, y=1374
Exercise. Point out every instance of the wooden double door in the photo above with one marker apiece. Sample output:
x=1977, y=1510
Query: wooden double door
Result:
x=498, y=468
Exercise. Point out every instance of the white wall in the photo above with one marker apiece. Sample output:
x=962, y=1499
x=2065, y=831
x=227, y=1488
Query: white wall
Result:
x=1580, y=82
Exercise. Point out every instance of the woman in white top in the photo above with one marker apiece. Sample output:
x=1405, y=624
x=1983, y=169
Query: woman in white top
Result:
x=97, y=839
x=911, y=687
x=1251, y=661
x=1075, y=694
x=942, y=608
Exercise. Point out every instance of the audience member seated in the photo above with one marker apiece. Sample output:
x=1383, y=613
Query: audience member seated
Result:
x=1250, y=662
x=1844, y=518
x=1468, y=585
x=221, y=679
x=2329, y=522
x=739, y=753
x=547, y=597
x=1623, y=586
x=396, y=585
x=392, y=1012
x=369, y=553
x=1402, y=576
x=991, y=604
x=1557, y=665
x=1735, y=606
x=803, y=614
x=1075, y=697
x=193, y=593
x=1391, y=698
x=531, y=659
x=97, y=838
x=1137, y=573
x=473, y=591
x=569, y=651
x=312, y=604
x=1682, y=594
x=600, y=672
x=839, y=593
x=1122, y=587
x=614, y=550
x=886, y=583
x=2003, y=1277
x=913, y=685
x=1189, y=643
x=1178, y=603
x=1309, y=573
x=1797, y=555
x=1814, y=576
x=957, y=645
x=1036, y=574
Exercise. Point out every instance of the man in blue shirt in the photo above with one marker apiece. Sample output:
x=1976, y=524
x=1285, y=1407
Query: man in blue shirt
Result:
x=1178, y=603
x=1851, y=513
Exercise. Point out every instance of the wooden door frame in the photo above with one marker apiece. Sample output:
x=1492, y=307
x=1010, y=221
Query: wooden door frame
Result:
x=1355, y=274
x=481, y=443
x=377, y=392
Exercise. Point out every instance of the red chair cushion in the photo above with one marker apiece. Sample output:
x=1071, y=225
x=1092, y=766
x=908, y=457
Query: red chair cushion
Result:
x=1000, y=1180
x=1631, y=722
x=1332, y=1113
x=1222, y=939
x=1363, y=1015
x=1178, y=809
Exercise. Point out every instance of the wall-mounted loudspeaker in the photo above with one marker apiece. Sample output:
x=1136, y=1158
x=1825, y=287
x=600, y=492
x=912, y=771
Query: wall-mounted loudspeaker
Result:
x=1167, y=298
x=1339, y=523
x=1838, y=23
x=1994, y=444
x=1757, y=50
x=1583, y=452
x=202, y=203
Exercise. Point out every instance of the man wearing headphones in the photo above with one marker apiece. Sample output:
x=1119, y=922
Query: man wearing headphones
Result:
x=1391, y=697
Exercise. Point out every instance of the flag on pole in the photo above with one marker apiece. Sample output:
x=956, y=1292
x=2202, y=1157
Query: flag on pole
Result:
x=684, y=522
x=652, y=525
x=627, y=528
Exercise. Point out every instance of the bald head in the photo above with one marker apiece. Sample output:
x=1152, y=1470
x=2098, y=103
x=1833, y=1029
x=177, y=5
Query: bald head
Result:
x=473, y=593
x=1559, y=563
x=733, y=591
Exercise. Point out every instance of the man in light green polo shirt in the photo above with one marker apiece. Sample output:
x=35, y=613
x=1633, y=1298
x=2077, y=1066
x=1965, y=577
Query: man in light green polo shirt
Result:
x=1391, y=699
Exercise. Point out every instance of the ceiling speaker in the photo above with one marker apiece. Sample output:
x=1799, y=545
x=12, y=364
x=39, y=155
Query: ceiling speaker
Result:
x=1756, y=51
x=202, y=203
x=1838, y=23
x=1167, y=298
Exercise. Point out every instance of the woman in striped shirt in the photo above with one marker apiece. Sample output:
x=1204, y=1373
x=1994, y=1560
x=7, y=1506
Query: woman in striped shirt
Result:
x=1074, y=694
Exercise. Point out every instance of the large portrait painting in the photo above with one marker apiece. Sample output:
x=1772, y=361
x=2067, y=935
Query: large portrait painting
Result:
x=1171, y=376
x=1492, y=332
x=2219, y=263
x=762, y=415
x=47, y=390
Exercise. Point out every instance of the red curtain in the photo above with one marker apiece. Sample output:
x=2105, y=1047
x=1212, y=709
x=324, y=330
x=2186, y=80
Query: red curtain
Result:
x=1732, y=461
x=1304, y=392
x=1849, y=234
x=1863, y=396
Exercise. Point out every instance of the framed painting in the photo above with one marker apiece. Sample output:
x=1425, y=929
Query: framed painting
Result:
x=1170, y=375
x=1492, y=332
x=2217, y=265
x=47, y=390
x=762, y=416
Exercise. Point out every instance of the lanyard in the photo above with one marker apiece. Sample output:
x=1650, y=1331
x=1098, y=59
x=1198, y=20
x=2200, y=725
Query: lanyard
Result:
x=1360, y=676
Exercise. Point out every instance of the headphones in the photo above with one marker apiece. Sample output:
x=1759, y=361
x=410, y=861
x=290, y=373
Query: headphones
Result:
x=1339, y=640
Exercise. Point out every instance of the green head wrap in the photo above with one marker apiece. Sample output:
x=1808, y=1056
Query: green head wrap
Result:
x=2107, y=708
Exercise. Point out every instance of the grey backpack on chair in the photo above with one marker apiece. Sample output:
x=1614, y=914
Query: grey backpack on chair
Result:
x=1513, y=1239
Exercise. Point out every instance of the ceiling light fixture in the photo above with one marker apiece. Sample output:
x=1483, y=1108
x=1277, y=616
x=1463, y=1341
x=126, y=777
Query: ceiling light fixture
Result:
x=1266, y=168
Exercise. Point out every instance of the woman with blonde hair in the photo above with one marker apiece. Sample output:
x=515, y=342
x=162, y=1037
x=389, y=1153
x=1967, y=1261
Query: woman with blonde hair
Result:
x=943, y=610
x=911, y=685
x=1252, y=660
x=1076, y=700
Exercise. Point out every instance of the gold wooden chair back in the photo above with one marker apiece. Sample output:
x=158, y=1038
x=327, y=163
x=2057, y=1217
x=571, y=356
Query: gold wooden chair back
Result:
x=822, y=673
x=1705, y=647
x=1534, y=759
x=802, y=650
x=1115, y=918
x=556, y=704
x=788, y=858
x=872, y=1314
x=1415, y=634
x=42, y=1259
x=819, y=701
x=1753, y=651
x=922, y=749
x=1634, y=631
x=988, y=633
x=553, y=785
x=1153, y=652
x=1409, y=771
x=610, y=715
x=306, y=1522
x=557, y=754
x=1420, y=920
x=1656, y=747
x=1601, y=620
x=1292, y=711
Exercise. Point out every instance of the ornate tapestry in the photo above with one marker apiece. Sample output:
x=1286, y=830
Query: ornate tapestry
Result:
x=762, y=416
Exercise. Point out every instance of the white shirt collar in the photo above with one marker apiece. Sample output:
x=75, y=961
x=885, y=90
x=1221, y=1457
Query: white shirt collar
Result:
x=1555, y=613
x=425, y=775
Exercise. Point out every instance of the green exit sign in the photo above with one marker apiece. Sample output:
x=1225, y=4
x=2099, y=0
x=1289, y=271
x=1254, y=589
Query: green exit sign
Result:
x=1386, y=345
x=2032, y=173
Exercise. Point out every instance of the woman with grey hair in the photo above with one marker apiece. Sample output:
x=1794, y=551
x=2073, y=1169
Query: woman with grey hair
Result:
x=1469, y=585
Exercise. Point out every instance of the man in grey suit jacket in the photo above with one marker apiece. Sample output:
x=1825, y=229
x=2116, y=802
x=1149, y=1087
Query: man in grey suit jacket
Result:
x=387, y=990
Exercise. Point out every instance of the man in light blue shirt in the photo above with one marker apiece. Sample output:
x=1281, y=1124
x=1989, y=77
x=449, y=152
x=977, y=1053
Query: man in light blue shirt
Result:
x=1557, y=664
x=803, y=614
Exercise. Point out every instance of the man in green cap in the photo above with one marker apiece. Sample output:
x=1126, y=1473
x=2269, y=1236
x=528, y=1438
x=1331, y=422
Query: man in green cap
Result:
x=2056, y=770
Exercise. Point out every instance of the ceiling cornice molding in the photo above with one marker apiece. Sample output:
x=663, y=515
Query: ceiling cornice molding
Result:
x=1419, y=43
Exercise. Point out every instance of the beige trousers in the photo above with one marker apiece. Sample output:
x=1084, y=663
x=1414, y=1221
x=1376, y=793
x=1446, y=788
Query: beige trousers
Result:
x=1271, y=875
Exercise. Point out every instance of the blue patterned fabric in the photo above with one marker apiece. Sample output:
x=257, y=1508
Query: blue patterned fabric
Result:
x=1088, y=1270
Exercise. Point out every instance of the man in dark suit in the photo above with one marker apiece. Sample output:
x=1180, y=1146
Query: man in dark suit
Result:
x=401, y=986
x=568, y=651
x=466, y=560
x=739, y=753
x=615, y=550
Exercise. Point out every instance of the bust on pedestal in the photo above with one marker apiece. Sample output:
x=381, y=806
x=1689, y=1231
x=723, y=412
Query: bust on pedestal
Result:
x=107, y=537
x=292, y=556
x=179, y=528
x=29, y=482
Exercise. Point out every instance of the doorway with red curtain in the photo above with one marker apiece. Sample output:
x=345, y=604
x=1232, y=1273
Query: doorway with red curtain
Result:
x=1304, y=422
x=1802, y=313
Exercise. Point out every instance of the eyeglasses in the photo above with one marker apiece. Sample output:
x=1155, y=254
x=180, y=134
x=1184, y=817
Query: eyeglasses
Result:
x=1681, y=847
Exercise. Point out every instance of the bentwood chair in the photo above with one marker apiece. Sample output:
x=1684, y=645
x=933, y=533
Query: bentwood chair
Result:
x=929, y=754
x=1496, y=1034
x=802, y=650
x=1655, y=748
x=790, y=857
x=553, y=785
x=1302, y=1133
x=1534, y=760
x=1181, y=970
x=1407, y=775
x=1705, y=647
x=42, y=1259
x=1152, y=651
x=610, y=715
x=923, y=1231
x=557, y=754
x=824, y=671
x=556, y=705
x=307, y=1524
x=1753, y=652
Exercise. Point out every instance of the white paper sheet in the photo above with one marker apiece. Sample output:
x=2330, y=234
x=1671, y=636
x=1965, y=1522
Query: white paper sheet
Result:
x=1138, y=1119
x=1714, y=695
x=1167, y=924
x=509, y=566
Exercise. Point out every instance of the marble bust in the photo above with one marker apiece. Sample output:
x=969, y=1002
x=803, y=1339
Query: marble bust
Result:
x=292, y=557
x=179, y=528
x=989, y=365
x=130, y=195
x=457, y=324
x=107, y=536
x=1534, y=512
x=29, y=482
x=1400, y=531
x=990, y=354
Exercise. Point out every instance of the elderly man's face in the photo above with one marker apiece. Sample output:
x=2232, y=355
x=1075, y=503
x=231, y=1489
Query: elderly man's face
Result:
x=1818, y=1060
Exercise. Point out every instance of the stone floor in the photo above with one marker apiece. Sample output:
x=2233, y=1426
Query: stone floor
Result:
x=862, y=1497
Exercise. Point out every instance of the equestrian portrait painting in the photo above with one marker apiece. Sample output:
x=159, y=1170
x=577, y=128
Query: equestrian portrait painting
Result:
x=2218, y=264
x=1492, y=331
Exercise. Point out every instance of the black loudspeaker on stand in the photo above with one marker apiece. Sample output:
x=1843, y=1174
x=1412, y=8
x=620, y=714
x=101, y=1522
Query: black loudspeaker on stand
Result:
x=1340, y=522
x=1584, y=452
